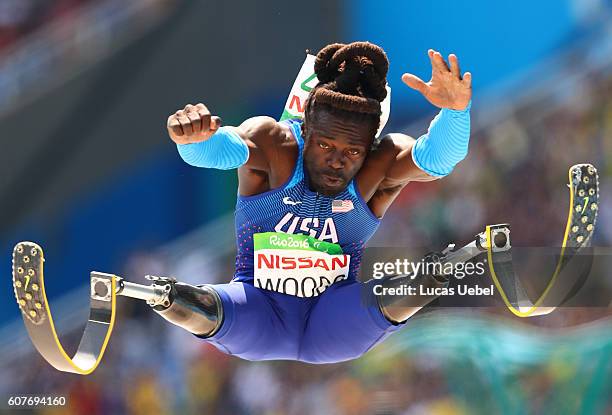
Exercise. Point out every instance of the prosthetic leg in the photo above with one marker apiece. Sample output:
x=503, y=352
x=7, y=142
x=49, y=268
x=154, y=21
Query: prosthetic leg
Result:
x=583, y=185
x=399, y=308
x=199, y=310
x=196, y=309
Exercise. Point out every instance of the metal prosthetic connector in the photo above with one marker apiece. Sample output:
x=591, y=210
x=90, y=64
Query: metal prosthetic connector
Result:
x=196, y=309
x=399, y=308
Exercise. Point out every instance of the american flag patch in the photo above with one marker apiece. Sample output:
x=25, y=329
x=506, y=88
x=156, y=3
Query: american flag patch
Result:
x=342, y=206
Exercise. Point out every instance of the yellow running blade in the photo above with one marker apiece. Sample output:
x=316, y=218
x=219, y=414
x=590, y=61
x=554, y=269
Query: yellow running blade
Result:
x=583, y=207
x=29, y=287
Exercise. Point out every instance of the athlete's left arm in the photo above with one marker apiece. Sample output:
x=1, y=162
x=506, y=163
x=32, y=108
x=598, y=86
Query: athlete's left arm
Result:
x=435, y=154
x=400, y=159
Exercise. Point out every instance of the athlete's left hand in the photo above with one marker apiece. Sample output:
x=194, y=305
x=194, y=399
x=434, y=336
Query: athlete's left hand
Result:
x=446, y=88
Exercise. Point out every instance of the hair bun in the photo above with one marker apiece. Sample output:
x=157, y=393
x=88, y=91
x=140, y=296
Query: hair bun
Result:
x=321, y=67
x=359, y=68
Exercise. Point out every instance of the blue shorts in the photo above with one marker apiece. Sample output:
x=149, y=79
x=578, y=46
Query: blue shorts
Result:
x=341, y=324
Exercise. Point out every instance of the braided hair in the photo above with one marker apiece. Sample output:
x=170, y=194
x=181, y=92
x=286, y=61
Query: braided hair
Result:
x=352, y=84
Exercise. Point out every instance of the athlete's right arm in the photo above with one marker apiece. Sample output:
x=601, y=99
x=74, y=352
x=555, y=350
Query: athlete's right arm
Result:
x=260, y=147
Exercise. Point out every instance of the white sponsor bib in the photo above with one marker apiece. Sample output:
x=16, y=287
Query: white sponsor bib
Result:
x=296, y=264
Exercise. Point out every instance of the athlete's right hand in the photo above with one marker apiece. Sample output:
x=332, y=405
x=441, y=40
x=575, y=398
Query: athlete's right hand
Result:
x=192, y=124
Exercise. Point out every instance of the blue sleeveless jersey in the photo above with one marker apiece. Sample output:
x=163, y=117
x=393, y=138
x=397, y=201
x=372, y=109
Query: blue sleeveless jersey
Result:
x=344, y=219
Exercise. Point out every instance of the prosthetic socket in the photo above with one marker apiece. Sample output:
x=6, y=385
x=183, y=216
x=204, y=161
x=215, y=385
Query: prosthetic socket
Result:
x=398, y=308
x=196, y=309
x=199, y=311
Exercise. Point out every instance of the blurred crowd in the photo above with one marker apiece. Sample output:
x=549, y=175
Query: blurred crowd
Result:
x=21, y=17
x=516, y=172
x=59, y=38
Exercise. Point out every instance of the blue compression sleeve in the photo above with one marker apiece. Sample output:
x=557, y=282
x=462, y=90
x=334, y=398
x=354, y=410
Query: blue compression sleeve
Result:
x=445, y=144
x=224, y=150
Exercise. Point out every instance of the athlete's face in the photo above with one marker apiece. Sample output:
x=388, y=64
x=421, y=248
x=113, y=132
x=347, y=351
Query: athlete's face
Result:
x=334, y=152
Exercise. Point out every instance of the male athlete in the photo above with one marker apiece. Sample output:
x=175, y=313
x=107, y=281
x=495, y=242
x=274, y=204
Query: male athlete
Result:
x=310, y=196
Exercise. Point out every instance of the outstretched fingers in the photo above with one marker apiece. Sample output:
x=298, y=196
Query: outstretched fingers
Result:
x=437, y=61
x=467, y=79
x=454, y=65
x=414, y=82
x=447, y=88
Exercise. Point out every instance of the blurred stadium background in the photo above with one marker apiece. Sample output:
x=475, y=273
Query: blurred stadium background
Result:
x=88, y=172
